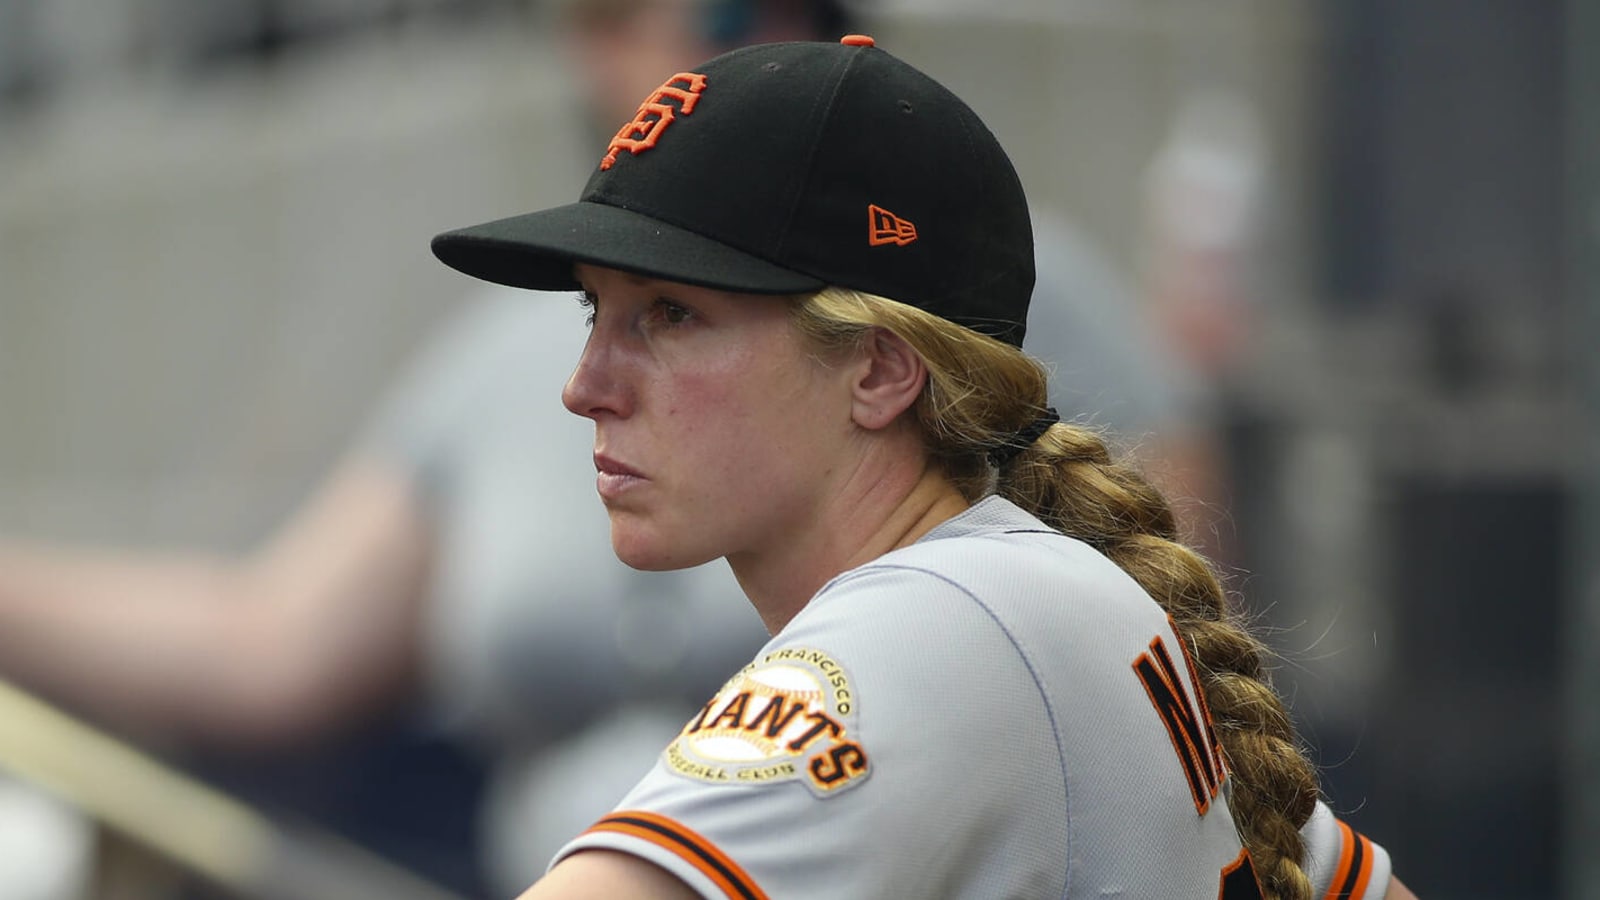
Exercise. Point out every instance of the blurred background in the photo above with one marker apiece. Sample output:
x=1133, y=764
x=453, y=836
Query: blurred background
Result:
x=1361, y=235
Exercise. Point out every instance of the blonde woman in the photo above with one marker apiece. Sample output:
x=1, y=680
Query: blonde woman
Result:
x=993, y=671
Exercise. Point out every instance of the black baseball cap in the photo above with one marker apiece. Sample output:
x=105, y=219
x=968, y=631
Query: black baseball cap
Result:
x=783, y=168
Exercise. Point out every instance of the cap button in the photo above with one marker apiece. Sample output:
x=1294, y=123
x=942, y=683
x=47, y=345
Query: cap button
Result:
x=858, y=40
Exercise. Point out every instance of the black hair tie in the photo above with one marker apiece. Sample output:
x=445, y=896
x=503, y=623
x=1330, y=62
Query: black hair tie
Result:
x=1024, y=438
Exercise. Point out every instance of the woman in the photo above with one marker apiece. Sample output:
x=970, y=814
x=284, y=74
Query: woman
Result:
x=970, y=691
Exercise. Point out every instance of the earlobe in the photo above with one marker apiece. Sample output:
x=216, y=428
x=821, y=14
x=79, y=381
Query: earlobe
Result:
x=891, y=381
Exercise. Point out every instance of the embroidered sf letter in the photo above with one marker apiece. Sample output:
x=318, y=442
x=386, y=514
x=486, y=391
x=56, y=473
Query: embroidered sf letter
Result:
x=641, y=132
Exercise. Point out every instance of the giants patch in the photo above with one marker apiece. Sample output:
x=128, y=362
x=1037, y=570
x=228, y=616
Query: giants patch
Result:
x=789, y=716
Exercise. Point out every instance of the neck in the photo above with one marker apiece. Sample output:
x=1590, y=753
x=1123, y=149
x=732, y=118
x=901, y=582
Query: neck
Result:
x=885, y=513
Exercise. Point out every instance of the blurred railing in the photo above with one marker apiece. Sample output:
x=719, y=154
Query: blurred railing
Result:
x=197, y=829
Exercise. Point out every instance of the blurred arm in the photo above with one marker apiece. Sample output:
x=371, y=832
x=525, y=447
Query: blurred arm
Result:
x=1398, y=891
x=314, y=627
x=608, y=875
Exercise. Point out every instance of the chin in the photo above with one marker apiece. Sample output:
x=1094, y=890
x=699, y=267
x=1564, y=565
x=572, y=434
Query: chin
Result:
x=648, y=553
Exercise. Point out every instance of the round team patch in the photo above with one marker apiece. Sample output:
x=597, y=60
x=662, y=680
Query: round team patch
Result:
x=789, y=716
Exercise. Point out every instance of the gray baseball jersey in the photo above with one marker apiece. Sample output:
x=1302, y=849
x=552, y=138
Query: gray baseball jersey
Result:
x=994, y=711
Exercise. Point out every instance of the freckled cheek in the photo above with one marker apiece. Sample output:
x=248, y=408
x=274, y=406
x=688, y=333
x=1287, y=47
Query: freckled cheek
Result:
x=724, y=435
x=719, y=394
x=698, y=404
x=731, y=416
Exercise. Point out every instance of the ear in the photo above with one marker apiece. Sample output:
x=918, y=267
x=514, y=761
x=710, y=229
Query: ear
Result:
x=892, y=377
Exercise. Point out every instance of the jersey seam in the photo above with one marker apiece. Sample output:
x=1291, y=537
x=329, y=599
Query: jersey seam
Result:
x=1033, y=673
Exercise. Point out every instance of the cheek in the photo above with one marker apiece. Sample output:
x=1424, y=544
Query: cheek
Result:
x=723, y=427
x=751, y=429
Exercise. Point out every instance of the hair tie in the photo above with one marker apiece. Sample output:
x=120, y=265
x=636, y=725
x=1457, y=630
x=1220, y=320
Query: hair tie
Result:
x=1024, y=438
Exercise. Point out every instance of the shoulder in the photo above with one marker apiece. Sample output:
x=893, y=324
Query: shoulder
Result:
x=995, y=606
x=998, y=563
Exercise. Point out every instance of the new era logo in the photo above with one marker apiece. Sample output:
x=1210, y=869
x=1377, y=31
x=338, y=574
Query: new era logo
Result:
x=884, y=227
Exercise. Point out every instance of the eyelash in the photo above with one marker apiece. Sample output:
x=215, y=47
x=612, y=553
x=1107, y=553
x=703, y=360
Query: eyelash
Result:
x=586, y=299
x=672, y=313
x=667, y=309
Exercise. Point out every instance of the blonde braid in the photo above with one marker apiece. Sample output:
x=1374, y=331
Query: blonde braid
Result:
x=981, y=392
x=1068, y=480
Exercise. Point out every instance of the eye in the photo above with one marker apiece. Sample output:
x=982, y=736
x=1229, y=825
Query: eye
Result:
x=672, y=313
x=586, y=299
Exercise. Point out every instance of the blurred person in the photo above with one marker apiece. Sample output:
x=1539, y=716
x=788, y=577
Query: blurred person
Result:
x=1202, y=264
x=1205, y=214
x=453, y=558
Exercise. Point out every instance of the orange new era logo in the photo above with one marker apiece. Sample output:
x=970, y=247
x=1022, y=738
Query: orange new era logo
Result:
x=884, y=227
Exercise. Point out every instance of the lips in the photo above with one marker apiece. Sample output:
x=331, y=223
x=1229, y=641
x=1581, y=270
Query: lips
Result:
x=614, y=478
x=605, y=465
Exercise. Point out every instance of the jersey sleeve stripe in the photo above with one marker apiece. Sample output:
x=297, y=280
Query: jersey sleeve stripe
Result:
x=688, y=846
x=1340, y=872
x=1364, y=870
x=1355, y=866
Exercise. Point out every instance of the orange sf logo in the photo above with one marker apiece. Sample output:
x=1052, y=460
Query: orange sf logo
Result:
x=641, y=132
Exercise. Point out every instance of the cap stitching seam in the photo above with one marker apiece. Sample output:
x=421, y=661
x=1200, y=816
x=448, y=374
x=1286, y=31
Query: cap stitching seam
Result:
x=977, y=287
x=795, y=187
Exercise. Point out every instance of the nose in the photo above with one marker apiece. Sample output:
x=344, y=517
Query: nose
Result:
x=593, y=390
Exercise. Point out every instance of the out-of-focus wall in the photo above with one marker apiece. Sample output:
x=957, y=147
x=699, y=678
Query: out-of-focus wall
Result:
x=1085, y=95
x=1581, y=812
x=205, y=280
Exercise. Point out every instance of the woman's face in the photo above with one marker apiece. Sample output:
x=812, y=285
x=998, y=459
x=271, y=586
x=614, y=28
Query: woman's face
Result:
x=717, y=431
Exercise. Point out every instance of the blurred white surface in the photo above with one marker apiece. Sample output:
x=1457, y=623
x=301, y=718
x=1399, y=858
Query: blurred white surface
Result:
x=46, y=848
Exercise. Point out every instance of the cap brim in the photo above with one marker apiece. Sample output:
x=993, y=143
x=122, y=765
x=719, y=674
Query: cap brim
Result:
x=537, y=251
